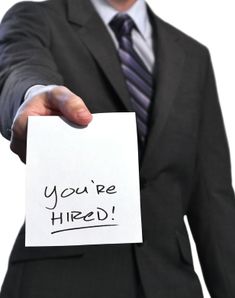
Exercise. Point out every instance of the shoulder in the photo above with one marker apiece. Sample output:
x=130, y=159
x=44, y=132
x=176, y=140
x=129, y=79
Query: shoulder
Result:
x=29, y=8
x=190, y=45
x=197, y=57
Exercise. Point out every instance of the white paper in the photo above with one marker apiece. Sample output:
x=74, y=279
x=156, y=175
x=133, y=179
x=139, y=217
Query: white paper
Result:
x=82, y=183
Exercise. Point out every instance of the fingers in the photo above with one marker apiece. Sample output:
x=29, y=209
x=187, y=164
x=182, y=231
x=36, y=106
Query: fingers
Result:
x=71, y=106
x=18, y=146
x=19, y=130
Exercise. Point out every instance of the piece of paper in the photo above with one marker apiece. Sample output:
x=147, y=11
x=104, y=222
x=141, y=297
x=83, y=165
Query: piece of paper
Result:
x=82, y=183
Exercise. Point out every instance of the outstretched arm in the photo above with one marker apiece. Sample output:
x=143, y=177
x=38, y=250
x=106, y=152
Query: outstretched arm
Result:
x=26, y=60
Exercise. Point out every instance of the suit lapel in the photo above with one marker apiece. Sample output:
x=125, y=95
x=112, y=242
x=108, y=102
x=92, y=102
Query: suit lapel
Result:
x=94, y=35
x=168, y=70
x=168, y=66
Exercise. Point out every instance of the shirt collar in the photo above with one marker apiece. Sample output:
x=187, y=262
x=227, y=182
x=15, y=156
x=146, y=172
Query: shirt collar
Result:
x=138, y=12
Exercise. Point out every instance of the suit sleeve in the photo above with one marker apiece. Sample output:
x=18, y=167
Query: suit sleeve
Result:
x=211, y=212
x=25, y=58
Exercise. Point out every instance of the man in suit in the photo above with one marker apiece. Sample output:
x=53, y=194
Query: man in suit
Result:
x=65, y=57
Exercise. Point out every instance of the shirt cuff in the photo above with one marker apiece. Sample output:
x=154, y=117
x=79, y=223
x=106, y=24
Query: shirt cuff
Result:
x=37, y=89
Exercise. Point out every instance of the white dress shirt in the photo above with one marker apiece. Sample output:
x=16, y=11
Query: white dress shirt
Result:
x=141, y=38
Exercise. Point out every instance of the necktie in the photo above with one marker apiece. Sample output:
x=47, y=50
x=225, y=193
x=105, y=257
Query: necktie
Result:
x=138, y=78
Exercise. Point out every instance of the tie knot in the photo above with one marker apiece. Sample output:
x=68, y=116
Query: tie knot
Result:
x=122, y=25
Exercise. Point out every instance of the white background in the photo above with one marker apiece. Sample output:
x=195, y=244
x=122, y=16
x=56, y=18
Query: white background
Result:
x=211, y=22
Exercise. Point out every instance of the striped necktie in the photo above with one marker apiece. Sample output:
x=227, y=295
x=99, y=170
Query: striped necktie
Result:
x=138, y=78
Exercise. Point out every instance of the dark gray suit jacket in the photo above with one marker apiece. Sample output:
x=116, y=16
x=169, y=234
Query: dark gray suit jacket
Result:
x=185, y=169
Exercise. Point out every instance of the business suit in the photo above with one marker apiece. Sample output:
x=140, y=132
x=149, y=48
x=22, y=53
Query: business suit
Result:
x=185, y=169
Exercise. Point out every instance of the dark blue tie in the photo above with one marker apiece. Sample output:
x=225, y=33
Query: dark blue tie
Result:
x=138, y=78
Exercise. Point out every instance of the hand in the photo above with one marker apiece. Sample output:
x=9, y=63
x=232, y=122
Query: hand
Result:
x=59, y=101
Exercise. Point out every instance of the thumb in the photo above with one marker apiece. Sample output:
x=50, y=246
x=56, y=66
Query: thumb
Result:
x=71, y=106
